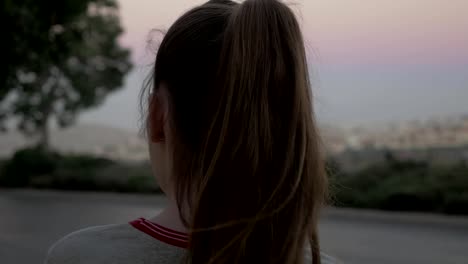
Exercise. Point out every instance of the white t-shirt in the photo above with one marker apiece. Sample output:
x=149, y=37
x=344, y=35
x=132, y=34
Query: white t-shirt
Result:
x=139, y=242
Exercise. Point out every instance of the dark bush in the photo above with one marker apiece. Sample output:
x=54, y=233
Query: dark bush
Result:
x=84, y=162
x=409, y=201
x=456, y=203
x=27, y=164
x=404, y=186
x=129, y=177
x=38, y=168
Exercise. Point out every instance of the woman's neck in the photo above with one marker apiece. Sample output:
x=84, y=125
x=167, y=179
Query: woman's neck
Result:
x=169, y=217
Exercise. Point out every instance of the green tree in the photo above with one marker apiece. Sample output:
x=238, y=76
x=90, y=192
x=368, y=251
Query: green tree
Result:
x=61, y=57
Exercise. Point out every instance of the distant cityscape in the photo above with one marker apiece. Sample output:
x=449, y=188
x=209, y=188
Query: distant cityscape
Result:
x=437, y=141
x=417, y=134
x=412, y=135
x=122, y=145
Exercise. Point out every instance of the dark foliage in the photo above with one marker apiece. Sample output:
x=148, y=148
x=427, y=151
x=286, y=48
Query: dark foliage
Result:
x=58, y=58
x=404, y=186
x=38, y=168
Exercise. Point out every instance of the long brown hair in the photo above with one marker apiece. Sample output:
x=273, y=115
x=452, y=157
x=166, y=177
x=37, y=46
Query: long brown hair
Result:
x=247, y=164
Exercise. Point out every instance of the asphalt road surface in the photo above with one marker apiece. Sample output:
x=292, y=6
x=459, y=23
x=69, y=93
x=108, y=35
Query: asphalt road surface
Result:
x=30, y=221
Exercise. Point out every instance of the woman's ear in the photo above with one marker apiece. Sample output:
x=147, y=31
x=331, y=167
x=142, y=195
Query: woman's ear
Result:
x=156, y=119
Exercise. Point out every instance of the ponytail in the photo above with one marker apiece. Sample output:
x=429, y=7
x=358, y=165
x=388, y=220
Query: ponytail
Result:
x=262, y=181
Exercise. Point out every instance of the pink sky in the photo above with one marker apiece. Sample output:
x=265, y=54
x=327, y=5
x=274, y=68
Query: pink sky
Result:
x=375, y=60
x=343, y=31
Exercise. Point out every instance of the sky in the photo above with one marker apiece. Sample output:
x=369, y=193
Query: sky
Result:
x=371, y=61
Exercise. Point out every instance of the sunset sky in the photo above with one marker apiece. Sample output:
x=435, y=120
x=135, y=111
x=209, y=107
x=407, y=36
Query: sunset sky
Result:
x=372, y=61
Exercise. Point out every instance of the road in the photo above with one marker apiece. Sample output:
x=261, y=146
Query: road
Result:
x=30, y=221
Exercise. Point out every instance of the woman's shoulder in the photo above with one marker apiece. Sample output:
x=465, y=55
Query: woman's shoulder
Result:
x=118, y=243
x=84, y=244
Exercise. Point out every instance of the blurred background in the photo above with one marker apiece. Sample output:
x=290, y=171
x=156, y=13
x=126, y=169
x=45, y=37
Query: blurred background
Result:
x=390, y=82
